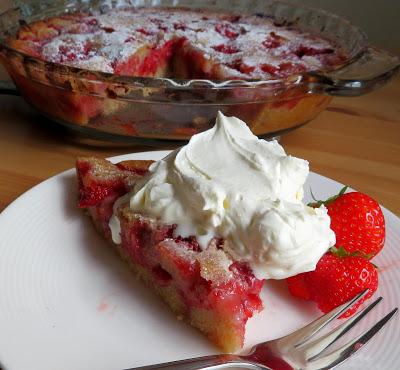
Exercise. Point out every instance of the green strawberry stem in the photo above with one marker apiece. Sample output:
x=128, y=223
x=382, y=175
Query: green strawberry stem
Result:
x=341, y=252
x=318, y=203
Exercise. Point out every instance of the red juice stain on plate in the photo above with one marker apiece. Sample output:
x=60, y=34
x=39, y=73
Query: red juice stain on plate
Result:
x=390, y=266
x=102, y=307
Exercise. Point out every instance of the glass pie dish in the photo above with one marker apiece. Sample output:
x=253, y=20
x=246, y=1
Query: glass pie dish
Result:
x=109, y=106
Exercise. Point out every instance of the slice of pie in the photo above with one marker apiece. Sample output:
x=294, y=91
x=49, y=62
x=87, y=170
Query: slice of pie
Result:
x=207, y=224
x=205, y=287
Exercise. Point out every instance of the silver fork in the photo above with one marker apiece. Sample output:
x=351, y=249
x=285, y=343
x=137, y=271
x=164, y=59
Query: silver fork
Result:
x=295, y=351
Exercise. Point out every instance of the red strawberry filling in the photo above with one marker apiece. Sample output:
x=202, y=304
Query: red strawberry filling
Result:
x=310, y=51
x=226, y=49
x=283, y=69
x=241, y=67
x=144, y=31
x=155, y=60
x=273, y=41
x=179, y=26
x=108, y=29
x=92, y=190
x=227, y=30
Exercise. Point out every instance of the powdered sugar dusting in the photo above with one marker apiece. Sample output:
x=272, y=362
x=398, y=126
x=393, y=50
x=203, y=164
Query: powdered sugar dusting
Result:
x=241, y=46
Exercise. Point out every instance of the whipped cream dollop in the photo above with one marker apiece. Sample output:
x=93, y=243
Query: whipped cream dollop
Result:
x=228, y=183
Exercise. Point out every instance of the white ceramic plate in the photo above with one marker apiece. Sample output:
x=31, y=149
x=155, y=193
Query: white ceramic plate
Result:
x=68, y=303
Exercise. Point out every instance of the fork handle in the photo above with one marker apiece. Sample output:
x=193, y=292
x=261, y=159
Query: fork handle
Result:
x=207, y=362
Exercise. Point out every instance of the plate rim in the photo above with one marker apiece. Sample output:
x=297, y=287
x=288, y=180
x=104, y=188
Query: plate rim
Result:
x=10, y=208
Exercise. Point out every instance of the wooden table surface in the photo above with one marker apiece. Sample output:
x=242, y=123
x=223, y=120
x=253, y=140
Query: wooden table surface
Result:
x=356, y=141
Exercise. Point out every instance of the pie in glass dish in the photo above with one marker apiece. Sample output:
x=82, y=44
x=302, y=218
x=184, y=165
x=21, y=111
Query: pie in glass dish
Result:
x=208, y=224
x=173, y=43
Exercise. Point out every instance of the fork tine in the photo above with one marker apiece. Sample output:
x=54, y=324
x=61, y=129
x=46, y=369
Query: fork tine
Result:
x=344, y=352
x=300, y=336
x=319, y=345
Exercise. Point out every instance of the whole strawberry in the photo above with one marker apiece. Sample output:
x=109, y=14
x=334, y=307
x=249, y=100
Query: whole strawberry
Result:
x=357, y=221
x=335, y=281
